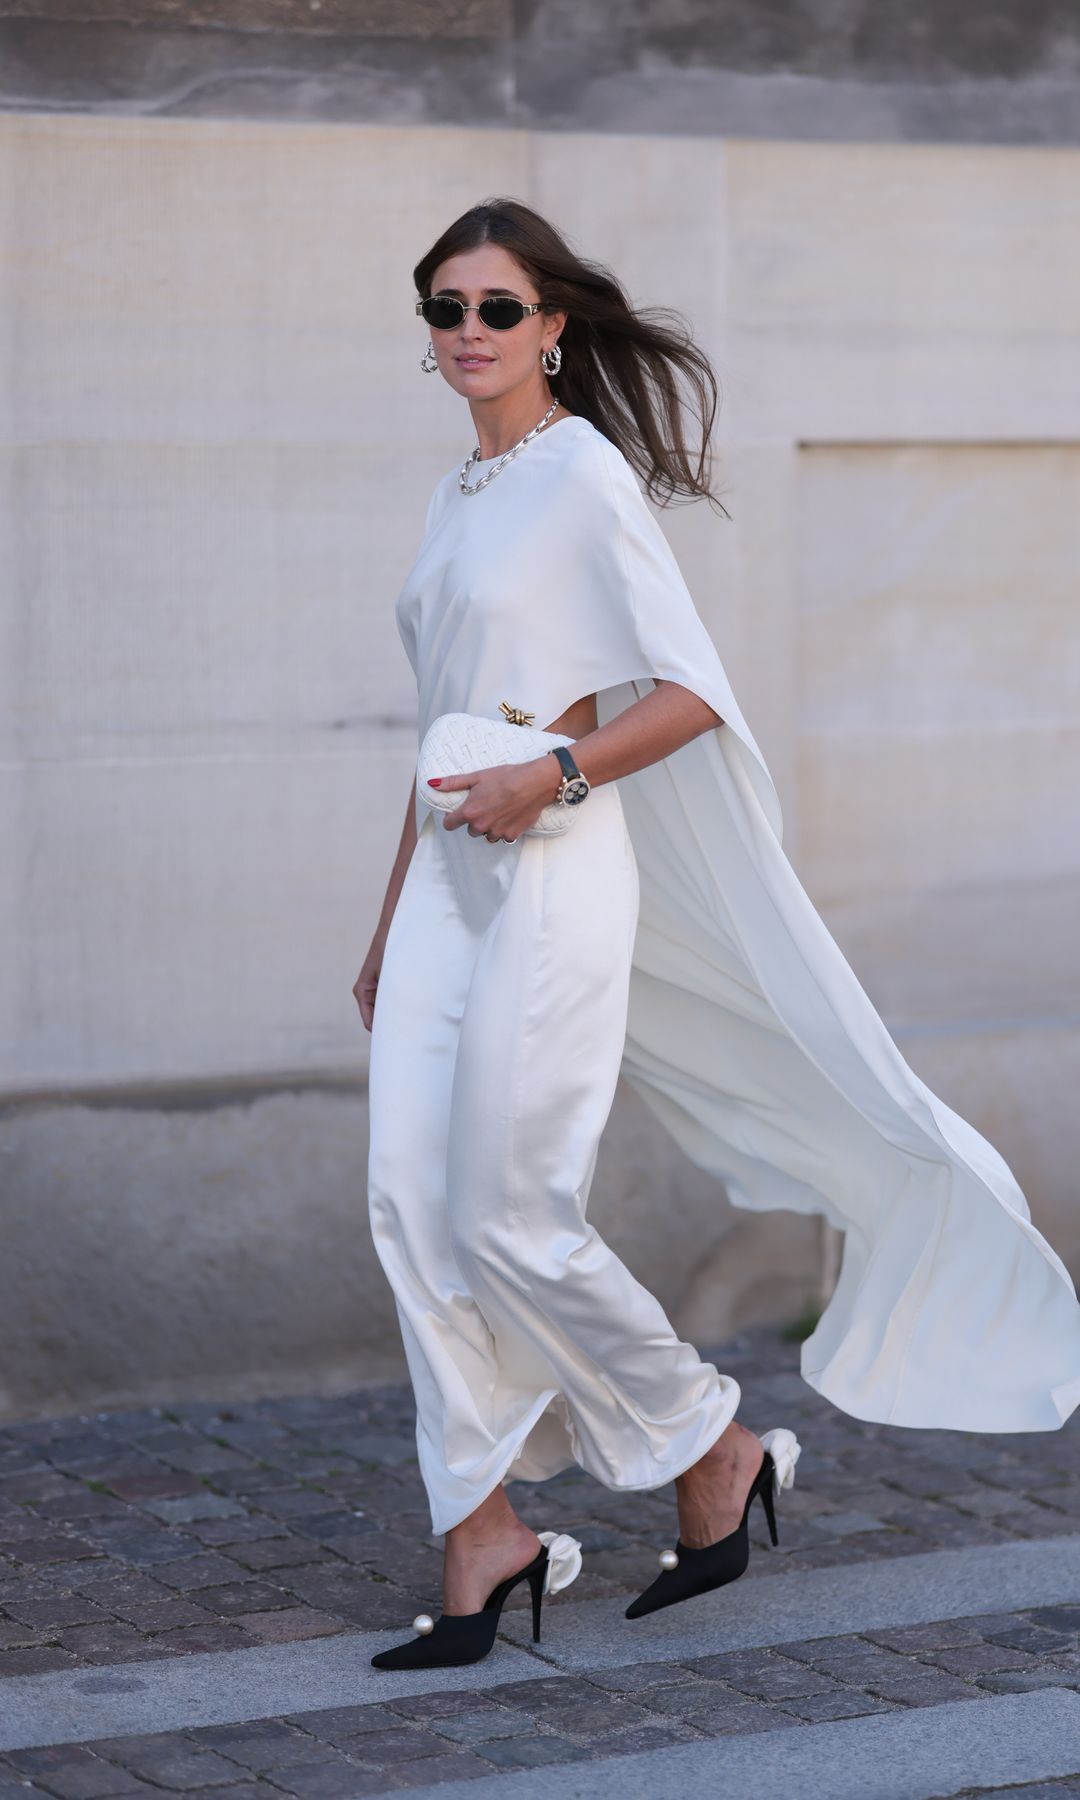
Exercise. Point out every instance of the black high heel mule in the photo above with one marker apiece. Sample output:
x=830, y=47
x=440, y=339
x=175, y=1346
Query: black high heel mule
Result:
x=455, y=1638
x=686, y=1571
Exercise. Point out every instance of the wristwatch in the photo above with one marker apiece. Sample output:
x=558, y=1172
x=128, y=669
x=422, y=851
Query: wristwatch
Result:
x=573, y=788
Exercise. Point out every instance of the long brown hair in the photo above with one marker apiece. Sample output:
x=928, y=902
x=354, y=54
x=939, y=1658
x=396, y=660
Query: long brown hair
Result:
x=621, y=368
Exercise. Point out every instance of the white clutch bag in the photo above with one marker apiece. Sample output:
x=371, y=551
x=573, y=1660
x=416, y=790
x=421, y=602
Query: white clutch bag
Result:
x=457, y=743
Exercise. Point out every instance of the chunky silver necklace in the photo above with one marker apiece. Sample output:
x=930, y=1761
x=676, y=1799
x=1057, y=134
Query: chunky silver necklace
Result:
x=503, y=460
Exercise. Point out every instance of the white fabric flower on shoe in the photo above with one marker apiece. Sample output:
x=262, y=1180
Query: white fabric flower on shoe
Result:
x=784, y=1447
x=564, y=1560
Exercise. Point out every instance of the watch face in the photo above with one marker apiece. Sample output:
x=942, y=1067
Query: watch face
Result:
x=575, y=791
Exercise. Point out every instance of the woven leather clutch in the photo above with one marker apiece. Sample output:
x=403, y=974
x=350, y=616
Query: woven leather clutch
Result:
x=460, y=743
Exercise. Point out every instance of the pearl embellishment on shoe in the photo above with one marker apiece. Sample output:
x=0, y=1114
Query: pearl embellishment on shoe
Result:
x=668, y=1559
x=423, y=1623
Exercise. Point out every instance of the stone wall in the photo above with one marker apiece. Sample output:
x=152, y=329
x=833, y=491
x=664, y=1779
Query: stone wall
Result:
x=971, y=71
x=216, y=447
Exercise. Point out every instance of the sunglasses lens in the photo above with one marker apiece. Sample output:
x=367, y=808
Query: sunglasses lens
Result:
x=501, y=314
x=442, y=311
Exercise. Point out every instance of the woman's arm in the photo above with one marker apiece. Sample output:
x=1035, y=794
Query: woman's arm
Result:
x=651, y=728
x=406, y=846
x=507, y=799
x=366, y=983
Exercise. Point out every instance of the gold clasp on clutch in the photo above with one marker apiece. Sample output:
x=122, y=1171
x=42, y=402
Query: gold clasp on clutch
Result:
x=514, y=714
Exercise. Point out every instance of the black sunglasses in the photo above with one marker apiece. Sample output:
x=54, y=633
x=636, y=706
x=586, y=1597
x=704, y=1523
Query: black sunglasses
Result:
x=498, y=312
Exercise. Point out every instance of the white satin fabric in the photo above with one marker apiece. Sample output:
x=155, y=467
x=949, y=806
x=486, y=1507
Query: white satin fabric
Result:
x=495, y=1050
x=785, y=1449
x=564, y=1560
x=746, y=1031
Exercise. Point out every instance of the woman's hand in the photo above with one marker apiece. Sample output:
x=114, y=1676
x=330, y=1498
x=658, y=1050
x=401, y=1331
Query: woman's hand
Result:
x=367, y=981
x=507, y=799
x=503, y=801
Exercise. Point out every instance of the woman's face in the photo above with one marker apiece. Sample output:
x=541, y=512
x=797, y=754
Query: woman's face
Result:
x=480, y=363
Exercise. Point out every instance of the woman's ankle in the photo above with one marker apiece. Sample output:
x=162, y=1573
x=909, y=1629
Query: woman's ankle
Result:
x=734, y=1444
x=492, y=1523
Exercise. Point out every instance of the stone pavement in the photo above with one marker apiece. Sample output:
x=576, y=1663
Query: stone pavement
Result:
x=190, y=1595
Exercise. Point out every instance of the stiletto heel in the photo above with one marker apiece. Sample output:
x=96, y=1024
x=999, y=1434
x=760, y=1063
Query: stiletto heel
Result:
x=536, y=1583
x=455, y=1638
x=686, y=1571
x=770, y=1510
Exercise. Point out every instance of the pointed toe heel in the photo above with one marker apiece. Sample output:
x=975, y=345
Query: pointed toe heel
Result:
x=686, y=1571
x=456, y=1638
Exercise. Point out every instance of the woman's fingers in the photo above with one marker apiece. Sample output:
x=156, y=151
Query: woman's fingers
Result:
x=364, y=988
x=494, y=797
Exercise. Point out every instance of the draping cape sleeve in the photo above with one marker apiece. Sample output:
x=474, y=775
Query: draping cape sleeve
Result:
x=651, y=630
x=752, y=1040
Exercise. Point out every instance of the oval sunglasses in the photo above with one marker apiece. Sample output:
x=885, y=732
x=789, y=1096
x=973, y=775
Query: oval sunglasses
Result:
x=498, y=312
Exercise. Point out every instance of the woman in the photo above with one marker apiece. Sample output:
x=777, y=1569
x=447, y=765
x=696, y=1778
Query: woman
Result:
x=513, y=977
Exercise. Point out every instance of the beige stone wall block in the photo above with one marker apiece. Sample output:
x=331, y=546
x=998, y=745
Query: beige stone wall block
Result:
x=190, y=599
x=967, y=953
x=868, y=239
x=198, y=916
x=903, y=290
x=939, y=587
x=16, y=829
x=914, y=810
x=13, y=545
x=749, y=574
x=843, y=387
x=939, y=672
x=211, y=279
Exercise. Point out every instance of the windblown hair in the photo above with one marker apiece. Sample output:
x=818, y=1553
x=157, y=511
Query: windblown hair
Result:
x=621, y=368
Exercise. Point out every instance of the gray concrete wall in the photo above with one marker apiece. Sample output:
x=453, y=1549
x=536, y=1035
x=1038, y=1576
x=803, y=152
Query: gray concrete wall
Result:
x=971, y=71
x=188, y=1243
x=215, y=448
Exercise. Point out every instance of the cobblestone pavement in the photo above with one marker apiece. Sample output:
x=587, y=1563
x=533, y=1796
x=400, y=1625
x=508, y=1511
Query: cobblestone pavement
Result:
x=161, y=1532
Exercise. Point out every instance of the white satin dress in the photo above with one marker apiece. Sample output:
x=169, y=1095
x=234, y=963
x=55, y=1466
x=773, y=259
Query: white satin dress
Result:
x=665, y=938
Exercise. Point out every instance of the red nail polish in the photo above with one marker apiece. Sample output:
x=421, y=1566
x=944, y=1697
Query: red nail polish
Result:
x=434, y=780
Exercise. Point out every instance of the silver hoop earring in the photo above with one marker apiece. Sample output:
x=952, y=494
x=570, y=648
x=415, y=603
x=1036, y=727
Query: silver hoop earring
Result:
x=429, y=366
x=553, y=366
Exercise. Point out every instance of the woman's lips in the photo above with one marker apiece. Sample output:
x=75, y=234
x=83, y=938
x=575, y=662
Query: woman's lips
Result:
x=475, y=362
